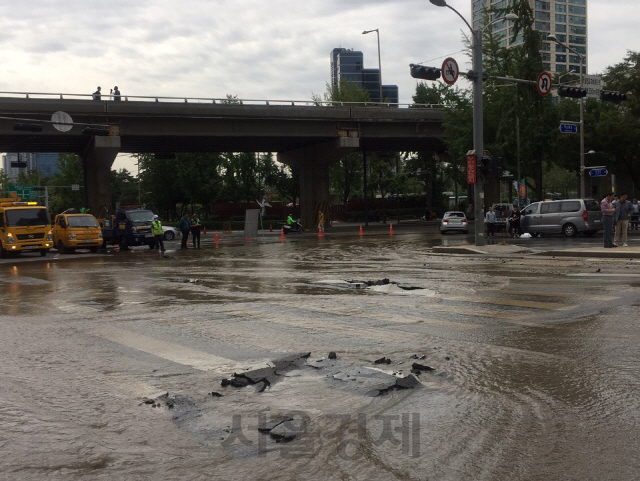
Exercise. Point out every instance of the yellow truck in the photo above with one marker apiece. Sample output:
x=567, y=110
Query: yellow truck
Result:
x=24, y=227
x=72, y=231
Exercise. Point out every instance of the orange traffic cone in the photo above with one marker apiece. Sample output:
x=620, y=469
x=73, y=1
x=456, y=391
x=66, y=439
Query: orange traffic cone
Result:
x=320, y=233
x=390, y=229
x=204, y=229
x=116, y=247
x=361, y=230
x=217, y=237
x=282, y=233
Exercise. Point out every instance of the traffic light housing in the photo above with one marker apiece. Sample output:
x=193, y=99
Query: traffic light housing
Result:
x=425, y=73
x=572, y=92
x=612, y=96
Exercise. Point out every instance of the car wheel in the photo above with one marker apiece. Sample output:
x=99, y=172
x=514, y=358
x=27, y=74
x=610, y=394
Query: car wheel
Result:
x=3, y=252
x=93, y=249
x=43, y=252
x=569, y=230
x=535, y=234
x=169, y=235
x=61, y=248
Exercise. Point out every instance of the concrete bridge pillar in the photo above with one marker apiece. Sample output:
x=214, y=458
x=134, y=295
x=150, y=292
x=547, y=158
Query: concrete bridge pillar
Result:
x=97, y=162
x=313, y=163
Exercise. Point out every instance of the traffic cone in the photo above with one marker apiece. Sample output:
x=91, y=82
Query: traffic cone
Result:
x=270, y=227
x=390, y=229
x=361, y=230
x=282, y=234
x=204, y=229
x=320, y=233
x=116, y=247
x=217, y=237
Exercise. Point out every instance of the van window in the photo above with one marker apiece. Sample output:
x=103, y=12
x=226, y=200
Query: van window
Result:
x=550, y=208
x=571, y=206
x=531, y=209
x=591, y=205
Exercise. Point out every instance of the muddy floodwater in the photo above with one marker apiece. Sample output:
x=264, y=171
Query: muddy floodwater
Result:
x=286, y=360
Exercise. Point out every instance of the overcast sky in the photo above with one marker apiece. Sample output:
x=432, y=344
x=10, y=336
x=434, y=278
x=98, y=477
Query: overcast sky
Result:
x=255, y=49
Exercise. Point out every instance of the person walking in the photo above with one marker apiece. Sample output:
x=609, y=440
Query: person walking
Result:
x=195, y=231
x=621, y=219
x=157, y=233
x=608, y=210
x=635, y=216
x=320, y=221
x=97, y=95
x=490, y=219
x=514, y=222
x=184, y=228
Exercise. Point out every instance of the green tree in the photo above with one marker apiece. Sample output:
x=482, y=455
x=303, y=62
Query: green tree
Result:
x=61, y=196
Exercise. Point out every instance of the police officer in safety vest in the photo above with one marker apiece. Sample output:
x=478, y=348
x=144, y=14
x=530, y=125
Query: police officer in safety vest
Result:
x=157, y=233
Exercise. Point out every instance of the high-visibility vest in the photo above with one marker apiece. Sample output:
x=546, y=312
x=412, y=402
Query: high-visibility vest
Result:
x=157, y=227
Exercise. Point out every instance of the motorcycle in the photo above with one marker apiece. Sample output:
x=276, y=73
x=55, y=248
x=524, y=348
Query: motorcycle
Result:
x=295, y=227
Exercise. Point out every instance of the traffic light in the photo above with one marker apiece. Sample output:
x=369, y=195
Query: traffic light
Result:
x=612, y=96
x=426, y=73
x=572, y=92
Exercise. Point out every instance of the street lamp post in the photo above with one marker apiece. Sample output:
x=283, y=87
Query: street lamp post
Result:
x=478, y=127
x=554, y=39
x=379, y=61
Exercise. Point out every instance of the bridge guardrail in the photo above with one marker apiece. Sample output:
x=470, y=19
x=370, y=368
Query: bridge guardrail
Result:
x=216, y=101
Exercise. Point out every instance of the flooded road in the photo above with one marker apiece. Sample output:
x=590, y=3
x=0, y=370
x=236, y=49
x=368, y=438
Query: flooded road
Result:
x=489, y=368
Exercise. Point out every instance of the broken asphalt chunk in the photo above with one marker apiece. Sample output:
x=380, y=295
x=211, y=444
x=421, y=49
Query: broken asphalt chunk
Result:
x=382, y=360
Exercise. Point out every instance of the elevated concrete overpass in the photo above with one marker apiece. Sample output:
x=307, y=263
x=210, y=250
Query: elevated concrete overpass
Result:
x=304, y=134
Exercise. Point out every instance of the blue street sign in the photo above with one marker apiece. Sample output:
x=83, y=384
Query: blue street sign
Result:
x=568, y=128
x=598, y=172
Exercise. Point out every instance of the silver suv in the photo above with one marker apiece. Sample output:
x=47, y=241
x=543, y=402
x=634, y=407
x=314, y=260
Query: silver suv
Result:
x=568, y=217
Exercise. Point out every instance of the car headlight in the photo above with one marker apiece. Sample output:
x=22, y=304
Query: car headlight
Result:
x=10, y=239
x=49, y=236
x=72, y=236
x=134, y=229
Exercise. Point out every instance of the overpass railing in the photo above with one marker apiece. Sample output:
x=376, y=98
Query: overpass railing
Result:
x=215, y=101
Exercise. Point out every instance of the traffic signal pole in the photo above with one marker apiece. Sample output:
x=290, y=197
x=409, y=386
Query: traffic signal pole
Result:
x=478, y=137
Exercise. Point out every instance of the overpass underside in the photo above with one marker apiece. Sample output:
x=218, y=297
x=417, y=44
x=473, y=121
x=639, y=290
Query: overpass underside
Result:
x=310, y=138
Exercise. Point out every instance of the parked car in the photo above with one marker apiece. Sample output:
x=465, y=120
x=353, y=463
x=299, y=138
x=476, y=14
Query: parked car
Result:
x=170, y=233
x=567, y=217
x=454, y=220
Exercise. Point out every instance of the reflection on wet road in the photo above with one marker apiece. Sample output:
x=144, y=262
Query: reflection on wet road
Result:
x=535, y=365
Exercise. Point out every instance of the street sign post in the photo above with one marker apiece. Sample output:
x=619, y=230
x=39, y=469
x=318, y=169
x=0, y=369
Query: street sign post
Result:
x=568, y=128
x=544, y=83
x=598, y=172
x=450, y=71
x=594, y=85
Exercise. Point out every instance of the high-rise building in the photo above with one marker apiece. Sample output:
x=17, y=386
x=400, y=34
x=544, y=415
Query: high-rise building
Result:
x=349, y=65
x=15, y=162
x=566, y=19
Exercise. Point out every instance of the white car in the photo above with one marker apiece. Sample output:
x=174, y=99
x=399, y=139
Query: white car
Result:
x=454, y=221
x=170, y=233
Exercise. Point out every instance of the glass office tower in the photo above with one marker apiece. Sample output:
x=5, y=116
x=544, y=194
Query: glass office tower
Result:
x=566, y=19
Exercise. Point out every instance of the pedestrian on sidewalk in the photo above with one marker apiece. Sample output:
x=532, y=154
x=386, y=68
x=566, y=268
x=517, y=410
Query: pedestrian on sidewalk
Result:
x=195, y=231
x=635, y=216
x=621, y=220
x=608, y=210
x=490, y=219
x=157, y=233
x=184, y=228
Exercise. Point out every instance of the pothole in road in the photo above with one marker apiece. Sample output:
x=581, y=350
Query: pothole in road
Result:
x=382, y=286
